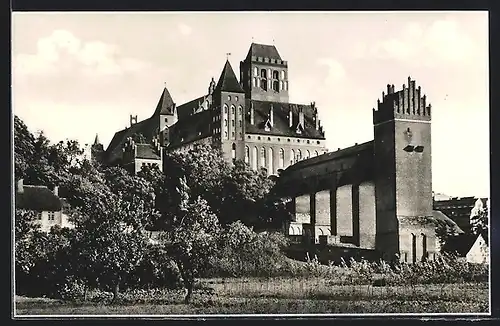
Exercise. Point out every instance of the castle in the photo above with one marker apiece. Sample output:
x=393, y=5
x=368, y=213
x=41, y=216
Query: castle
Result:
x=375, y=196
x=250, y=119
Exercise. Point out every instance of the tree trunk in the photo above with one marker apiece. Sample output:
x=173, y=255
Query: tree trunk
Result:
x=116, y=289
x=189, y=290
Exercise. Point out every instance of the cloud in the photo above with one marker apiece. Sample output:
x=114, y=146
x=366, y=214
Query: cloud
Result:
x=185, y=29
x=336, y=71
x=443, y=41
x=63, y=52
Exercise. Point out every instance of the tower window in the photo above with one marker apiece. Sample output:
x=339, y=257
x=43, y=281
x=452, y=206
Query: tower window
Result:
x=236, y=98
x=282, y=74
x=263, y=84
x=166, y=119
x=232, y=109
x=255, y=71
x=247, y=154
x=258, y=138
x=281, y=158
x=263, y=73
x=225, y=122
x=269, y=138
x=240, y=110
x=229, y=97
x=263, y=157
x=276, y=86
x=254, y=82
x=225, y=108
x=275, y=74
x=281, y=85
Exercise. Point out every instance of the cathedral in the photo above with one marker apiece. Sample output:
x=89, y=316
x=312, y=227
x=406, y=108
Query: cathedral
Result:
x=249, y=119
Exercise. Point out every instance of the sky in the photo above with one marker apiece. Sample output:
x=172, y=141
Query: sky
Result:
x=75, y=75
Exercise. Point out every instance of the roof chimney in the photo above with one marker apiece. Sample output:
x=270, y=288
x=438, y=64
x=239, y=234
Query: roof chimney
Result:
x=20, y=186
x=56, y=191
x=301, y=117
x=133, y=119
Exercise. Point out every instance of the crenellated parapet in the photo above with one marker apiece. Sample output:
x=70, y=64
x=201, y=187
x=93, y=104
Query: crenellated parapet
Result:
x=407, y=103
x=273, y=61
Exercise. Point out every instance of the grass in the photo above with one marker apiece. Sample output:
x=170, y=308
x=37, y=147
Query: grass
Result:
x=278, y=296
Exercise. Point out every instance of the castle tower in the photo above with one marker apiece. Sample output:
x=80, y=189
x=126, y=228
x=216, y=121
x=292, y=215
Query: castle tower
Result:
x=97, y=149
x=402, y=152
x=229, y=100
x=264, y=75
x=166, y=115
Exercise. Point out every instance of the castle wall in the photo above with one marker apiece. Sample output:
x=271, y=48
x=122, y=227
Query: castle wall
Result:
x=273, y=144
x=344, y=211
x=367, y=215
x=413, y=178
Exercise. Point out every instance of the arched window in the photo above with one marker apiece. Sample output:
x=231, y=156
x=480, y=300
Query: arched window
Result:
x=225, y=122
x=424, y=247
x=232, y=109
x=281, y=85
x=262, y=157
x=240, y=110
x=254, y=82
x=263, y=84
x=225, y=134
x=247, y=154
x=281, y=160
x=263, y=73
x=286, y=86
x=258, y=82
x=254, y=158
x=233, y=151
x=275, y=74
x=299, y=155
x=270, y=162
x=282, y=74
x=225, y=108
x=276, y=86
x=255, y=71
x=413, y=248
x=292, y=156
x=308, y=154
x=316, y=153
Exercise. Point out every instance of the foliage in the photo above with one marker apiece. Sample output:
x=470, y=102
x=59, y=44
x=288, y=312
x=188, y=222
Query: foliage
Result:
x=243, y=252
x=233, y=191
x=479, y=222
x=193, y=241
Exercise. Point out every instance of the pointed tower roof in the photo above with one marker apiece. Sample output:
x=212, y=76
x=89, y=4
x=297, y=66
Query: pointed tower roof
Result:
x=228, y=81
x=264, y=51
x=165, y=104
x=96, y=140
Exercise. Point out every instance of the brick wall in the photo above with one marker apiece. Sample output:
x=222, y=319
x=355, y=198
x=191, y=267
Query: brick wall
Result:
x=344, y=210
x=367, y=215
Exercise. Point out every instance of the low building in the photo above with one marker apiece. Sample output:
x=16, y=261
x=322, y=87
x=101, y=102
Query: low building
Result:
x=469, y=247
x=51, y=210
x=460, y=209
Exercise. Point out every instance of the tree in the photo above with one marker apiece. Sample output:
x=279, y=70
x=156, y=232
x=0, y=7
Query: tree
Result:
x=115, y=209
x=479, y=221
x=23, y=147
x=193, y=242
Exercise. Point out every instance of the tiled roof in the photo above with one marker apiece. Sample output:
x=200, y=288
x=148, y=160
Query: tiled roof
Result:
x=228, y=81
x=188, y=130
x=460, y=244
x=114, y=150
x=281, y=122
x=452, y=226
x=187, y=109
x=263, y=50
x=147, y=151
x=165, y=104
x=37, y=198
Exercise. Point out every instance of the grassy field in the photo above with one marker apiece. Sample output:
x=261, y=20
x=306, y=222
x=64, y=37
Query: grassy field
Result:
x=278, y=296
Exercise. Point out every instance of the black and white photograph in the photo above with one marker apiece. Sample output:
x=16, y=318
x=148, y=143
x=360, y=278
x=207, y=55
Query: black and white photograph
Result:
x=250, y=163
